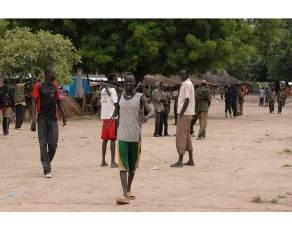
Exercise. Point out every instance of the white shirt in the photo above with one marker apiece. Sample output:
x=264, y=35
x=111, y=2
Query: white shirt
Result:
x=186, y=91
x=108, y=103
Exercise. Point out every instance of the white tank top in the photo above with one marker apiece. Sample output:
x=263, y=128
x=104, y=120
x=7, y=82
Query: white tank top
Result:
x=130, y=119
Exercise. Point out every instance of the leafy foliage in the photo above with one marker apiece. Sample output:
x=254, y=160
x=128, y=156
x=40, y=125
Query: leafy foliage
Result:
x=23, y=52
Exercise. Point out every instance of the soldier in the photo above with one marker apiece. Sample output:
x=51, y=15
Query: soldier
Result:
x=228, y=101
x=203, y=101
x=19, y=99
x=271, y=99
x=158, y=103
x=241, y=100
x=234, y=94
x=166, y=110
x=280, y=100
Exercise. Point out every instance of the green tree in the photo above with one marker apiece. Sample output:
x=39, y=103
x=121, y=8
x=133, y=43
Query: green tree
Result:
x=23, y=52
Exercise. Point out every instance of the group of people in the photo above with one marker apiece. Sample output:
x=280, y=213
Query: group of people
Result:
x=268, y=96
x=12, y=100
x=234, y=99
x=122, y=115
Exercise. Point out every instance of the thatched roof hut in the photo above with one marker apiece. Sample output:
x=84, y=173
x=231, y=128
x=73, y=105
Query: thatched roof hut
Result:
x=151, y=80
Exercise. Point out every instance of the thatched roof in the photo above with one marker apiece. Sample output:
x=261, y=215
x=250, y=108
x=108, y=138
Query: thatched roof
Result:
x=194, y=79
x=221, y=79
x=153, y=79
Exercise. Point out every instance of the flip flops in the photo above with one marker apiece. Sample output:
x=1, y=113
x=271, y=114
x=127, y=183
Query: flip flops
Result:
x=123, y=200
x=131, y=196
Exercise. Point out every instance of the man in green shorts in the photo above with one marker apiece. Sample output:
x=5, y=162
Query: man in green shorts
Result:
x=129, y=134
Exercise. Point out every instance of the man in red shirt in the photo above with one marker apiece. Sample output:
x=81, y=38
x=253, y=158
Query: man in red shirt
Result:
x=45, y=100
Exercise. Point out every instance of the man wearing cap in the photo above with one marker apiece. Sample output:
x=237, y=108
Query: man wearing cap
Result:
x=203, y=102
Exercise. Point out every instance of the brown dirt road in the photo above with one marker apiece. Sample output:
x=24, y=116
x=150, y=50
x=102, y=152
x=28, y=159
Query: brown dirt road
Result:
x=239, y=160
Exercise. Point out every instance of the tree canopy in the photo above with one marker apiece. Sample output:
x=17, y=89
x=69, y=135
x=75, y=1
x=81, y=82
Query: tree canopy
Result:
x=258, y=49
x=23, y=52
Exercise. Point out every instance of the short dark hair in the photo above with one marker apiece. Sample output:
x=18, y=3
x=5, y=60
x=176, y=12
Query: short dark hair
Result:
x=50, y=70
x=111, y=77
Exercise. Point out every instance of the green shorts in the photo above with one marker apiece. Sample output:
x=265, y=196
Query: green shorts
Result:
x=129, y=155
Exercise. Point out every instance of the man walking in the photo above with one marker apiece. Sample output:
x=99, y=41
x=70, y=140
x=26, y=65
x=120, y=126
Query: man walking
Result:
x=129, y=135
x=109, y=103
x=186, y=111
x=45, y=100
x=203, y=102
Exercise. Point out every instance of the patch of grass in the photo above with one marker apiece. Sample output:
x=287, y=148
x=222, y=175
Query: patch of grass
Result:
x=275, y=200
x=257, y=199
x=286, y=165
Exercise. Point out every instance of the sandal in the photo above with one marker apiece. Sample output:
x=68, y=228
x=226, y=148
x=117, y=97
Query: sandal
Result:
x=123, y=200
x=131, y=196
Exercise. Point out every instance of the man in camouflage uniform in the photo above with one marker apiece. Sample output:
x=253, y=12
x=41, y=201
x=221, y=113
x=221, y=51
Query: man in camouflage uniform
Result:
x=280, y=100
x=158, y=103
x=203, y=99
x=164, y=115
x=240, y=101
x=271, y=100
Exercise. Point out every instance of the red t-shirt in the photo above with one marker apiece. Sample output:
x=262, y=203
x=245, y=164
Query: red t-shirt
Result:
x=46, y=95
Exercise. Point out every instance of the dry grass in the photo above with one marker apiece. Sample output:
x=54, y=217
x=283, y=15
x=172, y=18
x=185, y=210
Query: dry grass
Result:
x=257, y=199
x=275, y=200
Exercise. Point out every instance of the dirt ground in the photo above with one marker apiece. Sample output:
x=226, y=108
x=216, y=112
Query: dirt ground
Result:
x=241, y=159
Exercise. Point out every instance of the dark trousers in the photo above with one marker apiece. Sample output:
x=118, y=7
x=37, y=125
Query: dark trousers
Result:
x=19, y=112
x=164, y=118
x=175, y=114
x=227, y=107
x=234, y=108
x=5, y=125
x=271, y=107
x=261, y=103
x=280, y=105
x=158, y=123
x=48, y=133
x=5, y=120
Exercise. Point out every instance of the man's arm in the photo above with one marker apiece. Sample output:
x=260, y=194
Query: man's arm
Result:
x=33, y=114
x=184, y=107
x=61, y=108
x=149, y=110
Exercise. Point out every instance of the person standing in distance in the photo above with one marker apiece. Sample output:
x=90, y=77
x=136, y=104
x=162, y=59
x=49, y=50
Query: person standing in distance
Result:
x=186, y=111
x=109, y=103
x=45, y=100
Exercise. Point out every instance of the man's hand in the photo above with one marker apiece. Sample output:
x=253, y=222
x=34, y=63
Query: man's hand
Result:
x=145, y=119
x=33, y=126
x=64, y=121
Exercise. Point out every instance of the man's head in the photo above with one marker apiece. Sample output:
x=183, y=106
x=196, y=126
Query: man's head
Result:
x=50, y=74
x=112, y=79
x=184, y=74
x=159, y=85
x=129, y=84
x=204, y=82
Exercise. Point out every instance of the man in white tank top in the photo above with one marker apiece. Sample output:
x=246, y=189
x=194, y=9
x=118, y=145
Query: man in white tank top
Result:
x=129, y=135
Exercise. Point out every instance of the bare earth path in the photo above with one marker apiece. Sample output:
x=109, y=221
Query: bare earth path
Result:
x=239, y=160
